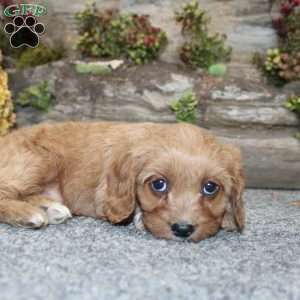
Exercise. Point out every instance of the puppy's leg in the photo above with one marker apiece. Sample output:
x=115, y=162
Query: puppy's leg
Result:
x=22, y=214
x=24, y=170
x=56, y=212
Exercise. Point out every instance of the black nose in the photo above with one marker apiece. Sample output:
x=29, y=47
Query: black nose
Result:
x=182, y=229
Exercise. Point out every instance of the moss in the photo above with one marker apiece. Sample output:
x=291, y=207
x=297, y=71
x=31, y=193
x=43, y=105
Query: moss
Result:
x=7, y=117
x=37, y=96
x=32, y=57
x=217, y=70
x=92, y=68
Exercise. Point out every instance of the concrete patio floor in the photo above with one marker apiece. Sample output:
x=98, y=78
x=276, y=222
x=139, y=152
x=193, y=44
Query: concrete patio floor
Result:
x=89, y=259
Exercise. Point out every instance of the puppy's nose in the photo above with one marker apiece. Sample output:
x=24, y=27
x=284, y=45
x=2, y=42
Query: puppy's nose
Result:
x=182, y=229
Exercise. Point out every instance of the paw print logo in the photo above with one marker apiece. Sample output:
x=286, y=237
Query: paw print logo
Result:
x=24, y=32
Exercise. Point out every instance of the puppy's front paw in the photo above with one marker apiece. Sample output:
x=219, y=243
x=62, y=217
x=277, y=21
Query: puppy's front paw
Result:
x=33, y=219
x=56, y=212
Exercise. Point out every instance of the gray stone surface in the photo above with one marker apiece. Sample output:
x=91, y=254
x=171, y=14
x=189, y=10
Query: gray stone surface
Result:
x=144, y=93
x=130, y=94
x=271, y=158
x=258, y=104
x=87, y=259
x=249, y=113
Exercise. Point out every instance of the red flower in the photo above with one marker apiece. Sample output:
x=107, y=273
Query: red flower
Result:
x=286, y=9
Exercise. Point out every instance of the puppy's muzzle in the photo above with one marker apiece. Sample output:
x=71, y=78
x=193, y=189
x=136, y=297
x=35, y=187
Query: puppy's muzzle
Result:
x=182, y=229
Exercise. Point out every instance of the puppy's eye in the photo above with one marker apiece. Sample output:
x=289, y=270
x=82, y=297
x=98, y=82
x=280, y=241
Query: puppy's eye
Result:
x=210, y=188
x=159, y=185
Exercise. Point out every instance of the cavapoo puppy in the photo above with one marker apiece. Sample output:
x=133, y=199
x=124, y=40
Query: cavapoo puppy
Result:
x=176, y=180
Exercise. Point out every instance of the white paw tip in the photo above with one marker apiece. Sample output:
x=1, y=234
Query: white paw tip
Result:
x=37, y=220
x=58, y=213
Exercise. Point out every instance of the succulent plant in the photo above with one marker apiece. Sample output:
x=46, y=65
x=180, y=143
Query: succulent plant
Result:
x=293, y=104
x=202, y=50
x=185, y=108
x=112, y=34
x=38, y=96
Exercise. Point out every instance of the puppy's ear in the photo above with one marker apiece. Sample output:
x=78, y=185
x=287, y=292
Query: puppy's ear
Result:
x=117, y=190
x=234, y=217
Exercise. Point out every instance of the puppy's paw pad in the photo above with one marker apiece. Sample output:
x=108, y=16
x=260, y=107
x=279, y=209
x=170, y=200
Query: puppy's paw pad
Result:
x=57, y=213
x=37, y=220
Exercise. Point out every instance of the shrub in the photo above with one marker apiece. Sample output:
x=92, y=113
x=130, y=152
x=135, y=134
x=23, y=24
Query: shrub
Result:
x=293, y=104
x=283, y=64
x=113, y=35
x=37, y=96
x=282, y=67
x=293, y=32
x=185, y=108
x=202, y=50
x=32, y=57
x=7, y=117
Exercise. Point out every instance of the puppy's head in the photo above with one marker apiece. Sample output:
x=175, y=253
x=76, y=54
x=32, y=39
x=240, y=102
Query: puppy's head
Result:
x=187, y=184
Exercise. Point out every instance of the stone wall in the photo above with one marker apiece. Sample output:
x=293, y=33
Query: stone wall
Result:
x=246, y=23
x=245, y=112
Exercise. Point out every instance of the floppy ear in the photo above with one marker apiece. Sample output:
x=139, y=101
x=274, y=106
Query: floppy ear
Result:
x=234, y=217
x=117, y=190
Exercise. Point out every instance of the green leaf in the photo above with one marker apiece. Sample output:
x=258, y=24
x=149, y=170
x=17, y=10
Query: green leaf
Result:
x=217, y=70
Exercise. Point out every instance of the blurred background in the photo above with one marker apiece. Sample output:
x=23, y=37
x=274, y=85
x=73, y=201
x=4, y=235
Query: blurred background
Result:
x=232, y=66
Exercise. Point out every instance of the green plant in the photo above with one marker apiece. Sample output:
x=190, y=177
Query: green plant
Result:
x=287, y=25
x=293, y=104
x=282, y=65
x=113, y=35
x=185, y=108
x=293, y=32
x=32, y=57
x=37, y=96
x=202, y=50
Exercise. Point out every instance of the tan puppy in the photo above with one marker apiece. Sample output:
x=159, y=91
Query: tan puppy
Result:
x=178, y=180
